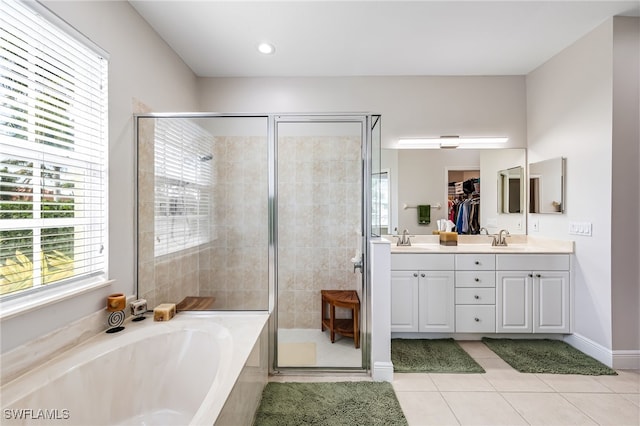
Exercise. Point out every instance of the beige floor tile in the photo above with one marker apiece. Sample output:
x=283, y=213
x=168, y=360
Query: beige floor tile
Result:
x=633, y=397
x=461, y=382
x=607, y=408
x=546, y=409
x=413, y=382
x=624, y=382
x=573, y=383
x=477, y=349
x=493, y=364
x=482, y=408
x=425, y=408
x=513, y=381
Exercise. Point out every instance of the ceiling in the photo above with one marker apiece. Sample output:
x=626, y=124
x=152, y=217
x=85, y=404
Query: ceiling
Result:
x=363, y=38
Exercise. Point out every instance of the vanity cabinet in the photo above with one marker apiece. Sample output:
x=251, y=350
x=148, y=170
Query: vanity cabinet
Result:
x=422, y=293
x=532, y=293
x=475, y=293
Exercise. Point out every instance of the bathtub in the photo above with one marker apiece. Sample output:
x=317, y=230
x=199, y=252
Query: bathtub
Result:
x=192, y=370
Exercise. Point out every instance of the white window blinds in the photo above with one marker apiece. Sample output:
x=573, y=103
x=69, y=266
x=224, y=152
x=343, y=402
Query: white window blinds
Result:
x=183, y=185
x=53, y=159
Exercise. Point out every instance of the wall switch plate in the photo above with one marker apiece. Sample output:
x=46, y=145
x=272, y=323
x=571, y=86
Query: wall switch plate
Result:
x=580, y=228
x=535, y=225
x=519, y=225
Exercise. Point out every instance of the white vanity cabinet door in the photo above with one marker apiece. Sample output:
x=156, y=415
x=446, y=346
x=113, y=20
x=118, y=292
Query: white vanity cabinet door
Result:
x=514, y=297
x=436, y=306
x=551, y=302
x=404, y=301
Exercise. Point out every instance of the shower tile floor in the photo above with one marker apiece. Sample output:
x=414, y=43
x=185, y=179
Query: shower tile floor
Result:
x=504, y=396
x=342, y=353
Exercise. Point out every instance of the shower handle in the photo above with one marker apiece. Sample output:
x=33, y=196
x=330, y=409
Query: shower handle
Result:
x=357, y=263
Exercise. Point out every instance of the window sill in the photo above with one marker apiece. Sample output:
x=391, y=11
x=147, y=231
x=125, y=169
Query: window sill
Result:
x=22, y=305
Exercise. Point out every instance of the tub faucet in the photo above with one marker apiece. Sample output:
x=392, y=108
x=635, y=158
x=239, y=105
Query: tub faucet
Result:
x=502, y=240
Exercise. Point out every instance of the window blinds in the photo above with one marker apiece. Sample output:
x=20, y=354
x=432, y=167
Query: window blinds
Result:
x=53, y=136
x=183, y=184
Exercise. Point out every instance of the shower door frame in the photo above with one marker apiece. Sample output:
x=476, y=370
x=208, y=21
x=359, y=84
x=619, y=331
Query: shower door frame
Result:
x=366, y=122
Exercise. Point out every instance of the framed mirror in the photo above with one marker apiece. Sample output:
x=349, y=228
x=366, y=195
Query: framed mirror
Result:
x=511, y=190
x=546, y=186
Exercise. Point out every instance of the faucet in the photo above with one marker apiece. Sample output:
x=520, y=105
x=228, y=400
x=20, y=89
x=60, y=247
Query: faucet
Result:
x=485, y=231
x=502, y=241
x=403, y=240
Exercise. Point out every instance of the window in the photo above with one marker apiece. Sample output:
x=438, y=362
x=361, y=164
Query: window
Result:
x=53, y=158
x=183, y=181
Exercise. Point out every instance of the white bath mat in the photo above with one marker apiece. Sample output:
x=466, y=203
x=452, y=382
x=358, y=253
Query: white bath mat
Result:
x=296, y=354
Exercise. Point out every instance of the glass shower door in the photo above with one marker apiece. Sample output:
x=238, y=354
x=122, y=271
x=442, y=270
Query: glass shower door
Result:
x=319, y=231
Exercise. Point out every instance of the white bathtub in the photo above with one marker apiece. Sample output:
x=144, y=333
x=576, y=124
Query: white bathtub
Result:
x=177, y=372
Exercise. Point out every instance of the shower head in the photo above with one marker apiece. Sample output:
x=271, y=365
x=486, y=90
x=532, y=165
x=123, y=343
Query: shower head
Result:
x=206, y=157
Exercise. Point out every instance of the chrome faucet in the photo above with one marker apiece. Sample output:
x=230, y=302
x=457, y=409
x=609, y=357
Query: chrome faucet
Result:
x=502, y=240
x=485, y=231
x=403, y=240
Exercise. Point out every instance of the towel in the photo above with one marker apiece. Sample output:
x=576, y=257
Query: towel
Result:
x=424, y=214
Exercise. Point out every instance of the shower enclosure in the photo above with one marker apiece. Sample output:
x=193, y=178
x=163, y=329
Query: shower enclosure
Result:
x=260, y=212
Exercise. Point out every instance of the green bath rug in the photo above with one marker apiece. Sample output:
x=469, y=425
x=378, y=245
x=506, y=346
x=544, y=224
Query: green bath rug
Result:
x=431, y=356
x=341, y=403
x=546, y=356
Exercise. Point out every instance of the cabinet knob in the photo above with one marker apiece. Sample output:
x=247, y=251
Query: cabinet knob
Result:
x=538, y=275
x=531, y=275
x=415, y=274
x=477, y=262
x=476, y=297
x=476, y=319
x=477, y=279
x=423, y=275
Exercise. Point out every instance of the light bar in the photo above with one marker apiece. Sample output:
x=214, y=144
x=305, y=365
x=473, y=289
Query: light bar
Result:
x=448, y=142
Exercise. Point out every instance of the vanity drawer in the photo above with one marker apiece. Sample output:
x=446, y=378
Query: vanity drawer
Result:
x=533, y=262
x=475, y=296
x=475, y=262
x=475, y=279
x=475, y=319
x=422, y=262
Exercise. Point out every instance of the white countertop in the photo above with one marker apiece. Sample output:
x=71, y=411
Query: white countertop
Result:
x=482, y=244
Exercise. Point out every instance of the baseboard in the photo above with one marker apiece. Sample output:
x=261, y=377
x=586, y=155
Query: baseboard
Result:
x=620, y=360
x=591, y=348
x=382, y=372
x=626, y=360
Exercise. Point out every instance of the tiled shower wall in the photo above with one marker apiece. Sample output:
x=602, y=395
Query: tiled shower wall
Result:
x=233, y=266
x=319, y=210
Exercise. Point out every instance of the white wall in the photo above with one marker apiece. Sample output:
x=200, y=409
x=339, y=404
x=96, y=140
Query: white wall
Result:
x=141, y=67
x=625, y=229
x=569, y=104
x=410, y=106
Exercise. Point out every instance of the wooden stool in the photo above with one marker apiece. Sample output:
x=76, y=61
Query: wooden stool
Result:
x=346, y=327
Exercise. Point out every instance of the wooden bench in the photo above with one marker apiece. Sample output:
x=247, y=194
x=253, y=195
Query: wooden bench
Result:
x=344, y=326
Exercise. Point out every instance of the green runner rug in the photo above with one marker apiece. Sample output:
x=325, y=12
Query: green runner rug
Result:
x=546, y=356
x=431, y=356
x=340, y=403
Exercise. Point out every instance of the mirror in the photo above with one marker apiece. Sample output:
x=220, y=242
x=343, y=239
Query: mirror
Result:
x=546, y=186
x=421, y=176
x=511, y=190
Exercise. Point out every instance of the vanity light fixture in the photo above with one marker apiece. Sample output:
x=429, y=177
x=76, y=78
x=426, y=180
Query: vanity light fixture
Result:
x=452, y=142
x=266, y=48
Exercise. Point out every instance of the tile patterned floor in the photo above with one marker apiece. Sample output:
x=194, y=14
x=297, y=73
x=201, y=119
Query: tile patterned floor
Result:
x=503, y=396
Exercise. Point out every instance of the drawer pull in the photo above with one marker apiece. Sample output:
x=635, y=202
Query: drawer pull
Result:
x=531, y=275
x=538, y=275
x=477, y=279
x=415, y=274
x=422, y=275
x=476, y=319
x=476, y=297
x=477, y=262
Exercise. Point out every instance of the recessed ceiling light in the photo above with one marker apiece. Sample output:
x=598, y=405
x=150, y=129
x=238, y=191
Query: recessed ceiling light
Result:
x=266, y=48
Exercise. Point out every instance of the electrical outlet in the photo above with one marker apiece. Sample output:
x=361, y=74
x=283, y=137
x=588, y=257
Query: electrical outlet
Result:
x=519, y=225
x=535, y=225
